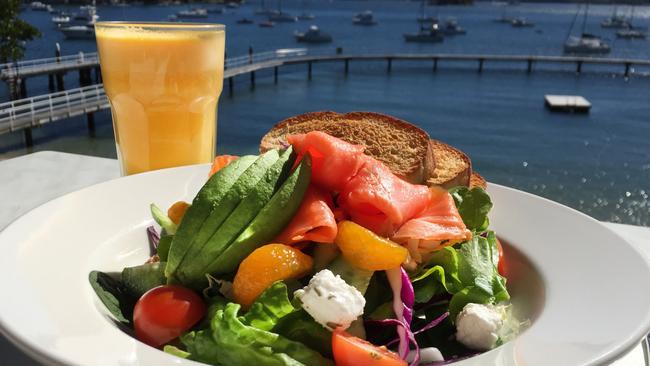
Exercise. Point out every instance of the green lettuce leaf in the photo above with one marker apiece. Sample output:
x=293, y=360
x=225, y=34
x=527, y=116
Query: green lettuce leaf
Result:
x=239, y=343
x=473, y=206
x=299, y=326
x=114, y=295
x=468, y=273
x=270, y=306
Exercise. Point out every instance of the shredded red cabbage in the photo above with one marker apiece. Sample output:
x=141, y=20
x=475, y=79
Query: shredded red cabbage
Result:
x=154, y=238
x=403, y=301
x=407, y=333
x=431, y=324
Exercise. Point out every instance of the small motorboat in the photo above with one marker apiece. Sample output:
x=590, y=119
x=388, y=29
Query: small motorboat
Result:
x=266, y=24
x=232, y=5
x=364, y=18
x=192, y=14
x=429, y=34
x=632, y=33
x=451, y=28
x=60, y=20
x=79, y=32
x=38, y=6
x=615, y=21
x=313, y=35
x=586, y=44
x=521, y=23
x=245, y=21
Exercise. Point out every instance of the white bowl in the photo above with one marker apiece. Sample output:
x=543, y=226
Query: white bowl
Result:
x=585, y=287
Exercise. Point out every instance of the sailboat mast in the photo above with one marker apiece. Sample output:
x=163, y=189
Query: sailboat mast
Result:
x=584, y=19
x=573, y=22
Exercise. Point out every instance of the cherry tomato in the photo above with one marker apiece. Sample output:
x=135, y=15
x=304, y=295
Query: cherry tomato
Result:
x=502, y=261
x=352, y=351
x=165, y=312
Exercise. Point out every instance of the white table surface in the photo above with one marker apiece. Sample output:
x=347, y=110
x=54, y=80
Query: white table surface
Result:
x=30, y=180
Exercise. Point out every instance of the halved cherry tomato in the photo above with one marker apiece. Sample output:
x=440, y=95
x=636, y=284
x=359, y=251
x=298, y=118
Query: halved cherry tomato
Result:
x=502, y=261
x=165, y=312
x=352, y=351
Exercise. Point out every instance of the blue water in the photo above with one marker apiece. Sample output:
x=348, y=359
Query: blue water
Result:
x=598, y=163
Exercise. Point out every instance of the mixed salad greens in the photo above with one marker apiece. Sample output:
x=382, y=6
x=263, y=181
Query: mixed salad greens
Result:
x=218, y=289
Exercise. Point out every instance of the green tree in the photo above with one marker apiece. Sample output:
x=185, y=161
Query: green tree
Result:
x=14, y=32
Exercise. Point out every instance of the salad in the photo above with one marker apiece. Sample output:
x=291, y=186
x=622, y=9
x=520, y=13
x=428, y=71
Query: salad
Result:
x=317, y=255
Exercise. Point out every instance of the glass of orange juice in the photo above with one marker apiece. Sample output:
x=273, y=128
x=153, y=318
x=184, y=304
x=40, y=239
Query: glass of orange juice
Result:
x=163, y=81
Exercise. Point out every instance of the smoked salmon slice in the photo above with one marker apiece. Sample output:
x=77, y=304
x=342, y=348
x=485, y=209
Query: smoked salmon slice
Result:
x=379, y=200
x=334, y=161
x=314, y=220
x=437, y=226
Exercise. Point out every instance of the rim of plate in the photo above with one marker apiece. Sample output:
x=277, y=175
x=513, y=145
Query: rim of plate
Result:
x=40, y=354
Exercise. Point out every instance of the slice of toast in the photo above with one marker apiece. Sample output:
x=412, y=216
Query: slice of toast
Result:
x=476, y=180
x=403, y=147
x=452, y=166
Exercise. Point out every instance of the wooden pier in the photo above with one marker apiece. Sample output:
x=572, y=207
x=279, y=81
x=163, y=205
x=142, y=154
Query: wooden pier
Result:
x=25, y=113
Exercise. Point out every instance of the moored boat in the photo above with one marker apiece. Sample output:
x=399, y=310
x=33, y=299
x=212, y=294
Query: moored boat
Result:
x=193, y=14
x=364, y=18
x=451, y=28
x=313, y=35
x=429, y=34
x=586, y=44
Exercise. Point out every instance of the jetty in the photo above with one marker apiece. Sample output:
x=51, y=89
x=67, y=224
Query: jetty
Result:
x=24, y=113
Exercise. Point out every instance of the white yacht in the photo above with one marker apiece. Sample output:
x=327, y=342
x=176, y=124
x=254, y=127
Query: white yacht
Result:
x=632, y=33
x=60, y=20
x=38, y=6
x=586, y=44
x=82, y=25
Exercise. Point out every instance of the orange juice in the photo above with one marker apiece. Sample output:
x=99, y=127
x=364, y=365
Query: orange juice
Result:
x=163, y=82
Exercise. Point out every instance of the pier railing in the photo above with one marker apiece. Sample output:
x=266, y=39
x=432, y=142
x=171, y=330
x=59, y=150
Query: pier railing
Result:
x=24, y=113
x=48, y=65
x=32, y=112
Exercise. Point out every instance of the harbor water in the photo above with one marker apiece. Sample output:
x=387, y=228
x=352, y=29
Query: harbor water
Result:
x=598, y=163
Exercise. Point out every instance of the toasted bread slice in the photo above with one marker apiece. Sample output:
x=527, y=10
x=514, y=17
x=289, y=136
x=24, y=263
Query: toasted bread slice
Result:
x=452, y=166
x=476, y=180
x=403, y=147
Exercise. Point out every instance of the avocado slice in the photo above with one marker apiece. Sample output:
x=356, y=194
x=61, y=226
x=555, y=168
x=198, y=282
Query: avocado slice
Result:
x=268, y=223
x=191, y=271
x=204, y=203
x=246, y=182
x=353, y=276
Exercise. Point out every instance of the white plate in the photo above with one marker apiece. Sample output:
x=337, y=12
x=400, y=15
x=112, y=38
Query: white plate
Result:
x=595, y=303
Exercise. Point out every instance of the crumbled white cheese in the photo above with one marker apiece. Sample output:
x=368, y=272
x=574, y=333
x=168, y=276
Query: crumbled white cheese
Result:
x=477, y=326
x=427, y=355
x=331, y=301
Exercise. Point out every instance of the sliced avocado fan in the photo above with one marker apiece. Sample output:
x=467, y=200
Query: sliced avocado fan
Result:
x=246, y=197
x=212, y=192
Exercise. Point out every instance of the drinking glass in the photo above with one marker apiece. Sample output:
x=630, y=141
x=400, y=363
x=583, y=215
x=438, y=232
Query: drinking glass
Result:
x=163, y=82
